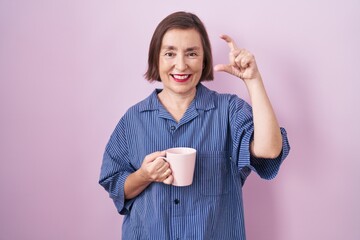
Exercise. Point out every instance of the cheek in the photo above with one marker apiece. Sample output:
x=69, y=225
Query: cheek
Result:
x=164, y=64
x=198, y=66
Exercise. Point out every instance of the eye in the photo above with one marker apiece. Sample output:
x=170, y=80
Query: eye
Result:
x=169, y=54
x=192, y=54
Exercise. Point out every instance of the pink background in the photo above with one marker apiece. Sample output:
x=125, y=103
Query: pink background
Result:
x=69, y=69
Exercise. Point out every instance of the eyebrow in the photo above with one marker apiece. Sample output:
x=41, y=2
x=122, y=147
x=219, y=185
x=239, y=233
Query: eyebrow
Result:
x=166, y=47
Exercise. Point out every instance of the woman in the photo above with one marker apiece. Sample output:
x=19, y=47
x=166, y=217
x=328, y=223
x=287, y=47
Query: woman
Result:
x=231, y=139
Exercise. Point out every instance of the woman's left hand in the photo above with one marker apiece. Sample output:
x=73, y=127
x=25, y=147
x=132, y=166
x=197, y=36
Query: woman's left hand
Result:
x=241, y=62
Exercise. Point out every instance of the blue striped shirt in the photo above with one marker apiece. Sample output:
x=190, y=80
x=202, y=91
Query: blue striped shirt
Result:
x=220, y=127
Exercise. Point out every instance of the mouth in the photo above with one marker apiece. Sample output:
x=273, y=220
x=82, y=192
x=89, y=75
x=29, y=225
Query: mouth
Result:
x=180, y=77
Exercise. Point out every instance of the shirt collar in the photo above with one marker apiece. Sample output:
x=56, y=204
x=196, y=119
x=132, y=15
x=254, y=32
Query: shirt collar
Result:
x=203, y=100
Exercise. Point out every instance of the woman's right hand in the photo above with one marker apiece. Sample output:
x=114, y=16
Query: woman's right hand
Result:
x=153, y=169
x=156, y=169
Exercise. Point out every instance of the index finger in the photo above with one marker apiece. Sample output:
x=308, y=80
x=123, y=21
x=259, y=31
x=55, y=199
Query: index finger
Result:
x=160, y=162
x=230, y=42
x=153, y=156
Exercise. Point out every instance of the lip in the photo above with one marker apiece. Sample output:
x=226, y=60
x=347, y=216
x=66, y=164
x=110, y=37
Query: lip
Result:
x=180, y=78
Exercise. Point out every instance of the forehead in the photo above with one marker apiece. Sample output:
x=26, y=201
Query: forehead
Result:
x=181, y=38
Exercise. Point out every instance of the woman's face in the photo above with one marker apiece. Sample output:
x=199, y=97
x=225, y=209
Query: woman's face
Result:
x=181, y=61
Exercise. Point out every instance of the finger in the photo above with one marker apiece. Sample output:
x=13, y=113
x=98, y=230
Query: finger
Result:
x=229, y=69
x=163, y=176
x=169, y=180
x=245, y=62
x=244, y=59
x=153, y=156
x=230, y=42
x=242, y=62
x=223, y=68
x=167, y=173
x=234, y=56
x=160, y=163
x=162, y=167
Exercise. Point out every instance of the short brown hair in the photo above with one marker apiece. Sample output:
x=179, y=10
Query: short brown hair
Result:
x=178, y=20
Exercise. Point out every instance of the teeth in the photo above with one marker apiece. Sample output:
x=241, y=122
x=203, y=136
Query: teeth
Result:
x=181, y=76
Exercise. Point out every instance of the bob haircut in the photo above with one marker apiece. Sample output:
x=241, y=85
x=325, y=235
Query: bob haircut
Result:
x=178, y=20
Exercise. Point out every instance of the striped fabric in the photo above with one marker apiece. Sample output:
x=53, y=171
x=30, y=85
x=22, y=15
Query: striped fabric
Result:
x=220, y=127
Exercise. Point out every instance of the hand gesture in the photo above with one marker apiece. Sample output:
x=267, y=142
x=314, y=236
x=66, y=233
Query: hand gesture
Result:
x=241, y=62
x=156, y=169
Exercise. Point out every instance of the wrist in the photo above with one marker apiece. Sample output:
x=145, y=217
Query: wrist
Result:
x=254, y=84
x=143, y=176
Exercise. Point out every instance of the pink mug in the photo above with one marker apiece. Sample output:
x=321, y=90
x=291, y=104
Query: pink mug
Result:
x=182, y=164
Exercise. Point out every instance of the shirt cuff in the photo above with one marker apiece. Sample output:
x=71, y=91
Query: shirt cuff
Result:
x=267, y=168
x=123, y=206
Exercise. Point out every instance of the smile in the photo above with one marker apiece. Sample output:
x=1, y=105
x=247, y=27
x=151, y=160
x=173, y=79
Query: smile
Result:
x=181, y=77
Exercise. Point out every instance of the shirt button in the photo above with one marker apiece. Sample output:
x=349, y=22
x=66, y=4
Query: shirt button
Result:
x=176, y=201
x=172, y=128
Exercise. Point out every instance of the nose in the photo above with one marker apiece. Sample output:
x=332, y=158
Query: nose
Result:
x=180, y=63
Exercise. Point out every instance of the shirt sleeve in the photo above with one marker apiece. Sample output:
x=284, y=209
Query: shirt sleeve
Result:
x=242, y=130
x=268, y=168
x=116, y=167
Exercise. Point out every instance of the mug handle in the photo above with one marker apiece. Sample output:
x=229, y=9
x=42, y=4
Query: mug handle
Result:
x=163, y=158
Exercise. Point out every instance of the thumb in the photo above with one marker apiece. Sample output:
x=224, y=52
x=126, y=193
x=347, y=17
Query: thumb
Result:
x=151, y=157
x=223, y=68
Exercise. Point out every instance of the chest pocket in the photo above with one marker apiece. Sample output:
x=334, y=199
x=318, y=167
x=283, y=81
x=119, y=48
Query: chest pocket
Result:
x=213, y=171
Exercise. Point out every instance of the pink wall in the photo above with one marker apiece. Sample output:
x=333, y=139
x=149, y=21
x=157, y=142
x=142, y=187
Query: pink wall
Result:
x=70, y=69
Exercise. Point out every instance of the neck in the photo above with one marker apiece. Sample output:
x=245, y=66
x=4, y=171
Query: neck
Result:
x=174, y=100
x=176, y=104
